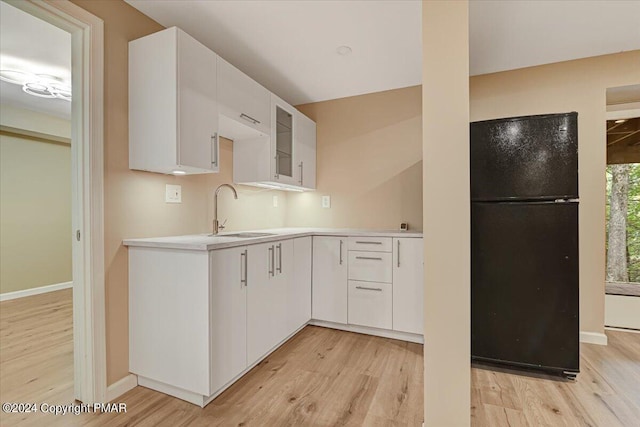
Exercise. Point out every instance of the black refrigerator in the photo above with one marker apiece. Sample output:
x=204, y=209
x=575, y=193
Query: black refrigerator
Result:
x=524, y=243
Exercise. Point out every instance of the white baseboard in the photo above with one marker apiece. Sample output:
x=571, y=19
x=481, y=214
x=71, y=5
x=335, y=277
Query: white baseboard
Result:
x=122, y=386
x=35, y=291
x=385, y=333
x=593, y=338
x=613, y=328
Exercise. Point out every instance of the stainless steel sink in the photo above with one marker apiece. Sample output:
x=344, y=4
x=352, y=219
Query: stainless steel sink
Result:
x=247, y=235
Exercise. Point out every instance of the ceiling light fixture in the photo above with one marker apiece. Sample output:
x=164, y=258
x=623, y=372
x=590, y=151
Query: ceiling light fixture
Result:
x=40, y=85
x=343, y=50
x=620, y=121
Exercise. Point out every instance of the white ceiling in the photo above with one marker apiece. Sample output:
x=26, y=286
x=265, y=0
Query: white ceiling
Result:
x=505, y=35
x=32, y=45
x=290, y=46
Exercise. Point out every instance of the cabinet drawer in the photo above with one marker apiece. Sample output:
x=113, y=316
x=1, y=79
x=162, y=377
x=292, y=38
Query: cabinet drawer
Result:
x=372, y=244
x=370, y=304
x=370, y=266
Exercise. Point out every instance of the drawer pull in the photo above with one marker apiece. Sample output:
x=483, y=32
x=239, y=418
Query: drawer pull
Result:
x=369, y=243
x=369, y=258
x=364, y=288
x=249, y=119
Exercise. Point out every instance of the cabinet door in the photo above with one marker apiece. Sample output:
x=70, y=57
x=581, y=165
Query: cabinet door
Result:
x=329, y=286
x=262, y=296
x=299, y=289
x=283, y=134
x=283, y=307
x=228, y=315
x=197, y=105
x=305, y=151
x=408, y=283
x=243, y=100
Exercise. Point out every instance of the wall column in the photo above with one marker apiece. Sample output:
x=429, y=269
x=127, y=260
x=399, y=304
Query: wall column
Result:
x=445, y=133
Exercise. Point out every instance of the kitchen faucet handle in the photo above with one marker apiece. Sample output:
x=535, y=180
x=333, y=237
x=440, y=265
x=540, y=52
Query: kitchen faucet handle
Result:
x=221, y=226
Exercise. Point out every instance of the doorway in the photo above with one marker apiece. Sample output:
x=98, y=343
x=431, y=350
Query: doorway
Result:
x=87, y=236
x=622, y=299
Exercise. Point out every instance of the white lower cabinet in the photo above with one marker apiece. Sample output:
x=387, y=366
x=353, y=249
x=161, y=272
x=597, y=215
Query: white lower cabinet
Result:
x=169, y=323
x=370, y=304
x=199, y=320
x=269, y=267
x=408, y=285
x=228, y=308
x=368, y=281
x=329, y=279
x=299, y=289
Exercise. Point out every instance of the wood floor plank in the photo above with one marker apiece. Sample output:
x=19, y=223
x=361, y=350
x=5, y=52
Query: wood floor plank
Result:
x=321, y=377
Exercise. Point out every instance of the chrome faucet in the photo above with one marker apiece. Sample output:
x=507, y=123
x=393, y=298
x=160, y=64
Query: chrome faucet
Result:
x=216, y=225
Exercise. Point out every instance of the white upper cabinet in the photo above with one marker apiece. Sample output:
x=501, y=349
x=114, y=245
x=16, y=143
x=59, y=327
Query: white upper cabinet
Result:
x=283, y=138
x=286, y=159
x=305, y=152
x=244, y=105
x=173, y=107
x=182, y=97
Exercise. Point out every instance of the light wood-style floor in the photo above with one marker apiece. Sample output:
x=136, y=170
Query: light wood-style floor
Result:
x=321, y=377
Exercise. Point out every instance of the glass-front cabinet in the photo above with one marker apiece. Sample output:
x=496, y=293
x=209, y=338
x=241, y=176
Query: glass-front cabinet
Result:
x=282, y=141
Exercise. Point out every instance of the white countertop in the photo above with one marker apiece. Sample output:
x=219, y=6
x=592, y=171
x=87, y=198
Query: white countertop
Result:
x=207, y=242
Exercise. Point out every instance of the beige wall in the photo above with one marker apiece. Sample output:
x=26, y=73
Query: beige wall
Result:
x=35, y=202
x=569, y=86
x=369, y=160
x=369, y=154
x=447, y=273
x=134, y=201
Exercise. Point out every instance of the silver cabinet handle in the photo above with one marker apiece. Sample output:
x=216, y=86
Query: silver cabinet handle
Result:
x=301, y=165
x=364, y=288
x=214, y=149
x=340, y=251
x=369, y=258
x=272, y=263
x=369, y=243
x=279, y=257
x=243, y=256
x=277, y=157
x=398, y=253
x=249, y=118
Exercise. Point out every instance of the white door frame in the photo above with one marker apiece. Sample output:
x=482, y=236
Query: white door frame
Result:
x=87, y=58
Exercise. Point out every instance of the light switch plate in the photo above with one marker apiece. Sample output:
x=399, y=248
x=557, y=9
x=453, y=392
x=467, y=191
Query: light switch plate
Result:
x=173, y=194
x=326, y=202
x=275, y=201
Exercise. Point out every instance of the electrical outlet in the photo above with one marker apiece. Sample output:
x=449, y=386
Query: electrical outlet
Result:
x=173, y=194
x=275, y=201
x=326, y=202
